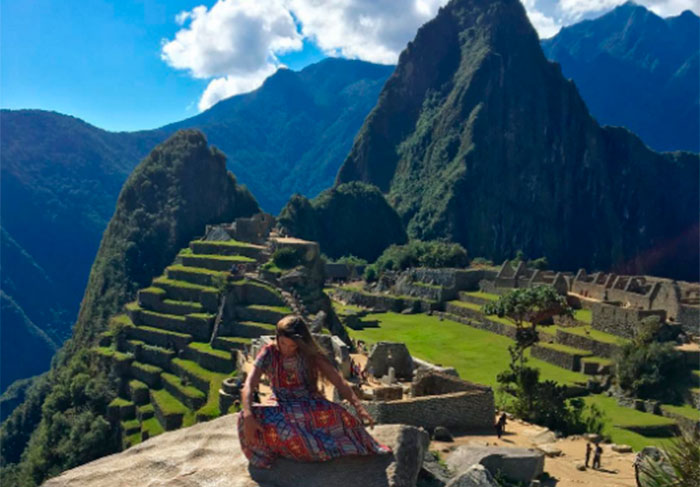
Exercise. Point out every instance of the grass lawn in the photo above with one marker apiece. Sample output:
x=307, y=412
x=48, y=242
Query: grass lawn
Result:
x=618, y=417
x=477, y=355
x=584, y=315
x=483, y=295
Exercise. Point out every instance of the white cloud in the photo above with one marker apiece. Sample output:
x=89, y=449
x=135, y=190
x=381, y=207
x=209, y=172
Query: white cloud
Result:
x=572, y=11
x=236, y=43
x=372, y=30
x=545, y=25
x=224, y=87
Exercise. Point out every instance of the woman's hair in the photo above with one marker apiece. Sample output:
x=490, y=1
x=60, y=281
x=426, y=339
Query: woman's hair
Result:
x=294, y=327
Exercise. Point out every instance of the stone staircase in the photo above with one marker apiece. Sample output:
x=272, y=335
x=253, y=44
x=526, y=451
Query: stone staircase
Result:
x=171, y=365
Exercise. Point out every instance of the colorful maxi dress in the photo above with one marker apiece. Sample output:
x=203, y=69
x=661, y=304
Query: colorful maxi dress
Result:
x=299, y=423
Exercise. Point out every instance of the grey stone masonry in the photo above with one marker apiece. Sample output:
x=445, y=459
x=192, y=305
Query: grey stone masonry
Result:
x=459, y=410
x=389, y=354
x=620, y=321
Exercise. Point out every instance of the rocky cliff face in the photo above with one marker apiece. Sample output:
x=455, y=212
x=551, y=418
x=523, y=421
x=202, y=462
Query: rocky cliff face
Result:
x=477, y=138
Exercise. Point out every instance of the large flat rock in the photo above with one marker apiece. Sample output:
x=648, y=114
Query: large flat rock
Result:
x=208, y=454
x=515, y=464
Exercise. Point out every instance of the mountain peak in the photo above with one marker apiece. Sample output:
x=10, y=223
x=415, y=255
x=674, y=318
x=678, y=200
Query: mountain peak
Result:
x=478, y=139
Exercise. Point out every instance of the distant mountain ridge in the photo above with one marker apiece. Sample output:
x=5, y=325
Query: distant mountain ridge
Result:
x=478, y=139
x=637, y=70
x=61, y=176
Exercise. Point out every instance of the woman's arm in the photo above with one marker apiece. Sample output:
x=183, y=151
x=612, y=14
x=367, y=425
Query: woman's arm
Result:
x=344, y=389
x=251, y=427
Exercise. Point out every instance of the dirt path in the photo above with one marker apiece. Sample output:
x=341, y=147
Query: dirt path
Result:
x=617, y=469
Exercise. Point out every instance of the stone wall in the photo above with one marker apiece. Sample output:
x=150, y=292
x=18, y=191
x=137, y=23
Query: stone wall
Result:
x=478, y=320
x=384, y=355
x=600, y=349
x=620, y=321
x=461, y=279
x=460, y=410
x=689, y=318
x=561, y=358
x=382, y=302
x=432, y=382
x=407, y=287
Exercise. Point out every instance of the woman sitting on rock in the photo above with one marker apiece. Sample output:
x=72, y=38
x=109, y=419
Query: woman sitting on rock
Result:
x=300, y=423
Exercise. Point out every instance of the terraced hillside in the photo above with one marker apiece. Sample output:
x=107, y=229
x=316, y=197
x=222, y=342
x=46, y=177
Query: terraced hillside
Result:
x=167, y=348
x=578, y=348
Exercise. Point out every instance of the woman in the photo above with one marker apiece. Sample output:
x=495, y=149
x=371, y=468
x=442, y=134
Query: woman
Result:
x=301, y=424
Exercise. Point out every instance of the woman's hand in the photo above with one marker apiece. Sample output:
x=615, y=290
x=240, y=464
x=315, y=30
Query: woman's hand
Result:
x=251, y=429
x=364, y=415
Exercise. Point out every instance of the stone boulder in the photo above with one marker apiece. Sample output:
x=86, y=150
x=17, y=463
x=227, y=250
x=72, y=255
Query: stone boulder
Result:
x=474, y=476
x=515, y=464
x=209, y=454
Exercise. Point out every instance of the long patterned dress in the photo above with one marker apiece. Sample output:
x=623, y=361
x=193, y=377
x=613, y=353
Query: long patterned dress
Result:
x=299, y=423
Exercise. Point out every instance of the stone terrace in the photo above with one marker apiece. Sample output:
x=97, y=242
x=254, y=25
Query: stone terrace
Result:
x=166, y=349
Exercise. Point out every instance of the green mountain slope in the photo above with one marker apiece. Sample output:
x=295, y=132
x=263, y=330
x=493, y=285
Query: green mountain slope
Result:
x=61, y=176
x=351, y=219
x=181, y=186
x=477, y=138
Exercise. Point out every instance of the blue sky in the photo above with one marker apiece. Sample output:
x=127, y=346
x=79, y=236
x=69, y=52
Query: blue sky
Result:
x=140, y=64
x=100, y=61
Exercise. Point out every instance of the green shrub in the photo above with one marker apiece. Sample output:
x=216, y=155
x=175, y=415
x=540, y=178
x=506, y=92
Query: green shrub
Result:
x=287, y=257
x=351, y=260
x=422, y=254
x=370, y=274
x=340, y=219
x=481, y=261
x=651, y=371
x=545, y=403
x=648, y=329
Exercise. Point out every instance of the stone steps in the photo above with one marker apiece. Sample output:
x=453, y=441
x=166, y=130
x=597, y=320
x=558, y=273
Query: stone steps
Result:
x=192, y=373
x=248, y=329
x=230, y=343
x=160, y=337
x=214, y=262
x=209, y=358
x=195, y=275
x=582, y=341
x=199, y=325
x=168, y=409
x=138, y=392
x=560, y=355
x=190, y=396
x=253, y=292
x=178, y=290
x=468, y=297
x=229, y=248
x=261, y=313
x=597, y=366
x=144, y=317
x=147, y=373
x=174, y=307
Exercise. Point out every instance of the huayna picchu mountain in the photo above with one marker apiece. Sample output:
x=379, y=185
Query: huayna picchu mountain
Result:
x=477, y=138
x=181, y=186
x=637, y=70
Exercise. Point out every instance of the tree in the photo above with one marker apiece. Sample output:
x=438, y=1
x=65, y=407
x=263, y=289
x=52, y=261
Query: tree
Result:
x=527, y=308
